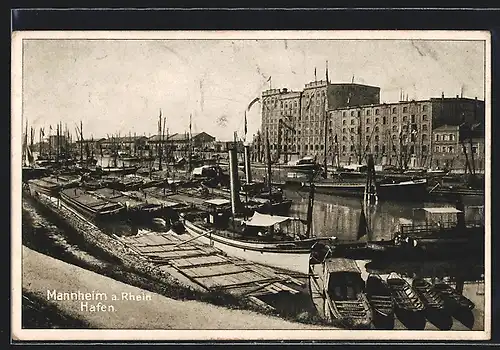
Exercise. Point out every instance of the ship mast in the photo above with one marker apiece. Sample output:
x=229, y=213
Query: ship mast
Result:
x=268, y=160
x=160, y=142
x=190, y=149
x=325, y=117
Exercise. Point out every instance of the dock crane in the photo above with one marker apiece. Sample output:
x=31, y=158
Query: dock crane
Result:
x=282, y=124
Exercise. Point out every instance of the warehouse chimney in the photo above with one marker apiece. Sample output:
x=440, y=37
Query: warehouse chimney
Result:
x=233, y=177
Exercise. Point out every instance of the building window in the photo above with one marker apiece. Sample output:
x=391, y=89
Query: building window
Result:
x=305, y=147
x=376, y=148
x=376, y=129
x=352, y=113
x=474, y=149
x=368, y=112
x=437, y=149
x=424, y=127
x=384, y=120
x=394, y=110
x=394, y=128
x=343, y=130
x=452, y=137
x=343, y=114
x=376, y=137
x=352, y=130
x=367, y=138
x=383, y=148
x=445, y=137
x=343, y=148
x=376, y=120
x=352, y=121
x=367, y=120
x=343, y=122
x=352, y=148
x=405, y=109
x=450, y=149
x=405, y=118
x=424, y=137
x=352, y=137
x=367, y=129
x=394, y=136
x=424, y=108
x=377, y=111
x=413, y=118
x=344, y=138
x=424, y=117
x=394, y=119
x=437, y=137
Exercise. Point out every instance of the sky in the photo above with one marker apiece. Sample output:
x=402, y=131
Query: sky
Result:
x=120, y=86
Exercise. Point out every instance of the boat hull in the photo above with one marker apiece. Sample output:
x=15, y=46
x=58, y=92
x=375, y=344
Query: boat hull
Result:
x=403, y=191
x=93, y=213
x=38, y=186
x=296, y=260
x=353, y=314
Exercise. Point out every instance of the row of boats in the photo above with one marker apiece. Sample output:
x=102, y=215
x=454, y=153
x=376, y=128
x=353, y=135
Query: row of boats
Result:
x=341, y=296
x=259, y=231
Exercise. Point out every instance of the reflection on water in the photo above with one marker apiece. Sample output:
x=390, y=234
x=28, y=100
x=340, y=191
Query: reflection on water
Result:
x=340, y=216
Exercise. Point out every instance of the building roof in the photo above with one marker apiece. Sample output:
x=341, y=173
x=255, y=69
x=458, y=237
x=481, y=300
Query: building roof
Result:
x=264, y=220
x=91, y=140
x=125, y=139
x=218, y=201
x=447, y=127
x=442, y=210
x=341, y=265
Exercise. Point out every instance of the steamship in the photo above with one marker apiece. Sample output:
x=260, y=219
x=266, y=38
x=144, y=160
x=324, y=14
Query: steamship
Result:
x=278, y=241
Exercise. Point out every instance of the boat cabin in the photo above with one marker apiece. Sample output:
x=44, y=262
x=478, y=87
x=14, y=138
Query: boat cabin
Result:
x=343, y=279
x=265, y=225
x=218, y=211
x=440, y=220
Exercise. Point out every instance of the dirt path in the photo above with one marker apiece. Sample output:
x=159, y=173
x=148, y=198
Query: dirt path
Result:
x=42, y=274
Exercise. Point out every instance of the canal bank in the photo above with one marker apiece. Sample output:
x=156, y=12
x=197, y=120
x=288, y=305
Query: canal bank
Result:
x=48, y=228
x=42, y=275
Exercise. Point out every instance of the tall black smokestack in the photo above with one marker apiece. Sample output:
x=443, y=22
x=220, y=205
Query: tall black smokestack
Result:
x=248, y=171
x=233, y=177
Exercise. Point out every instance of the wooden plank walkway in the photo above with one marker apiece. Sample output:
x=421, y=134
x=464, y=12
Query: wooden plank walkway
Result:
x=211, y=268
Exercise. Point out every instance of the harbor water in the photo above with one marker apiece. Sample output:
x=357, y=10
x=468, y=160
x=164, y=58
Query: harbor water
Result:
x=340, y=216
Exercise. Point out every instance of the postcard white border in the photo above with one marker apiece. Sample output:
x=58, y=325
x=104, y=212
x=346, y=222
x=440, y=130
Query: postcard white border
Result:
x=173, y=335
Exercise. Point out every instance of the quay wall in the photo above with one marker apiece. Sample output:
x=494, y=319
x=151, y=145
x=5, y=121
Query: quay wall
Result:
x=158, y=280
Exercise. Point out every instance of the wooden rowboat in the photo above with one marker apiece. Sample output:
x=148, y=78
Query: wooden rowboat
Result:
x=451, y=297
x=430, y=297
x=404, y=296
x=337, y=292
x=379, y=296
